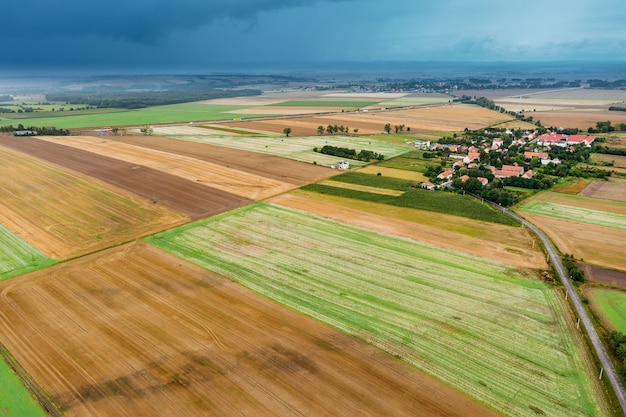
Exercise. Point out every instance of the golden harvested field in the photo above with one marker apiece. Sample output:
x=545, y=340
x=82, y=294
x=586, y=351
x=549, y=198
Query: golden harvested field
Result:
x=133, y=331
x=64, y=213
x=582, y=119
x=217, y=176
x=394, y=173
x=447, y=118
x=512, y=245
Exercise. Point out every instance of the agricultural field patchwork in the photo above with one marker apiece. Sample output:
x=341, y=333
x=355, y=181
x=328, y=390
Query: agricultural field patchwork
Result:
x=417, y=198
x=439, y=310
x=181, y=113
x=18, y=257
x=299, y=148
x=610, y=306
x=135, y=331
x=64, y=213
x=498, y=242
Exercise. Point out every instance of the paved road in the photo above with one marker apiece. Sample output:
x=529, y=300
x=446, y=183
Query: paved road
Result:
x=609, y=369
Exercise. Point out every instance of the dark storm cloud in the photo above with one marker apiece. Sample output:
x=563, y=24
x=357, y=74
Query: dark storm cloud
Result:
x=137, y=21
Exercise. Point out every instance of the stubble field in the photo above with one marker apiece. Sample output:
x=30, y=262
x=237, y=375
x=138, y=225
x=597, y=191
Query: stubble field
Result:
x=437, y=118
x=64, y=214
x=134, y=331
x=438, y=310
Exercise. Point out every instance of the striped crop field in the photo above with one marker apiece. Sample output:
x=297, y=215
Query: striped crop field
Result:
x=577, y=214
x=479, y=326
x=297, y=148
x=18, y=257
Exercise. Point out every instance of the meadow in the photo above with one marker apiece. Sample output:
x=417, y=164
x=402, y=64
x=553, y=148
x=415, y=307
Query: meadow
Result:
x=440, y=310
x=17, y=256
x=611, y=306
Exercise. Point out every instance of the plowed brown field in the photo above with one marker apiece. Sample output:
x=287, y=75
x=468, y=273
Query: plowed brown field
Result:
x=216, y=176
x=134, y=331
x=187, y=197
x=427, y=119
x=64, y=213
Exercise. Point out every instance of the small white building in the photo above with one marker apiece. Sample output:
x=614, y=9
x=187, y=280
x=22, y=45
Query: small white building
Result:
x=344, y=165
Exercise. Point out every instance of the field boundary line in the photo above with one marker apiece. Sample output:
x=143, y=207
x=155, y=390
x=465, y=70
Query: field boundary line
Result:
x=29, y=383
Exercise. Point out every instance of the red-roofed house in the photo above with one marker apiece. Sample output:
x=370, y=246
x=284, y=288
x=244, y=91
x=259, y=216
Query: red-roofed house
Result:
x=540, y=155
x=555, y=139
x=578, y=139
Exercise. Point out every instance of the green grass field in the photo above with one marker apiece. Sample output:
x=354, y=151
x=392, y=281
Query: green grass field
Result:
x=577, y=214
x=186, y=112
x=15, y=400
x=297, y=148
x=376, y=181
x=440, y=202
x=477, y=325
x=612, y=306
x=18, y=257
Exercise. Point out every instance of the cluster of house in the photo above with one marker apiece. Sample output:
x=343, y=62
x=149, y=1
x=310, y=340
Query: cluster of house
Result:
x=469, y=156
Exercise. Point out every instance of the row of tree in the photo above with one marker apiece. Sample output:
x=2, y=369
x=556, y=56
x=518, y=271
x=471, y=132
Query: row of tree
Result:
x=363, y=155
x=331, y=129
x=22, y=130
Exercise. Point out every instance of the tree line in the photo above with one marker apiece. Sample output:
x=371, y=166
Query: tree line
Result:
x=363, y=155
x=141, y=99
x=21, y=130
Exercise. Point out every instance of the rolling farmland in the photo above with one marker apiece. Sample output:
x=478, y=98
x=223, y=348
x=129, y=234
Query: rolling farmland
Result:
x=134, y=331
x=439, y=310
x=297, y=148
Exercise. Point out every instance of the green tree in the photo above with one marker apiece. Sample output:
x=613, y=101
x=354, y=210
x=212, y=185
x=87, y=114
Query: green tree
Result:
x=388, y=127
x=146, y=130
x=320, y=130
x=287, y=131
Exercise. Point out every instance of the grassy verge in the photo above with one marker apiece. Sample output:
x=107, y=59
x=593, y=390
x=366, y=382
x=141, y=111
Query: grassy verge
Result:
x=15, y=399
x=479, y=326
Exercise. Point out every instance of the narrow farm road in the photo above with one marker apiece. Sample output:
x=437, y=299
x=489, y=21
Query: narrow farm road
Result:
x=609, y=370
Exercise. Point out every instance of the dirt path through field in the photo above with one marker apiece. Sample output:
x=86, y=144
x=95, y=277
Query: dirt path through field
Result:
x=514, y=252
x=133, y=331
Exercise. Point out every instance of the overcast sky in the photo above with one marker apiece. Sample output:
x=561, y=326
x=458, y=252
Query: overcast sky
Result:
x=205, y=35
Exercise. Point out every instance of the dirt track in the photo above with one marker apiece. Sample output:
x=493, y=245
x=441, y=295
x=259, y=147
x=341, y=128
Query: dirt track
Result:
x=134, y=331
x=187, y=197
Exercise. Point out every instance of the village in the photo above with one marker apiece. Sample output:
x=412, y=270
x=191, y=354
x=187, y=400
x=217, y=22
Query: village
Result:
x=503, y=156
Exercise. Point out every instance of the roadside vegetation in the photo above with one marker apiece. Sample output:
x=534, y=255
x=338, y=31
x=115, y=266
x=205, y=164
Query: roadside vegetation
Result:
x=18, y=257
x=15, y=399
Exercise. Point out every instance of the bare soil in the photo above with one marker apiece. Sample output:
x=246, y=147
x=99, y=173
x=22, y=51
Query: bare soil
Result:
x=190, y=198
x=604, y=276
x=582, y=119
x=614, y=189
x=133, y=331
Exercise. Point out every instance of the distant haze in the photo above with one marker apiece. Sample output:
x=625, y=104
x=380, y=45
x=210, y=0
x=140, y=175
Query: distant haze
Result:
x=158, y=36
